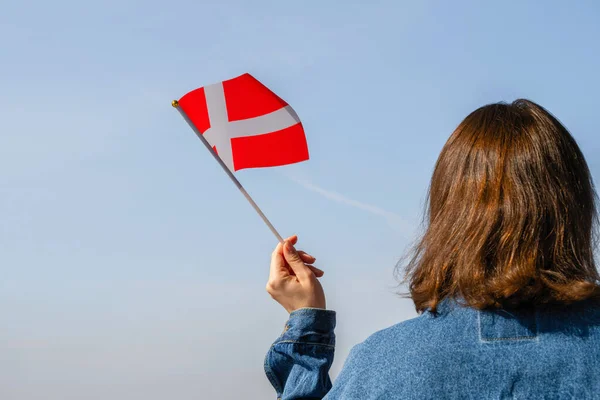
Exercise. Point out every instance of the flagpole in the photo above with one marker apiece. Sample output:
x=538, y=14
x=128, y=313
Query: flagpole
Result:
x=237, y=183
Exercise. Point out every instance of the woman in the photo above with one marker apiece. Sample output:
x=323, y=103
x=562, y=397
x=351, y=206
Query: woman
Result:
x=504, y=280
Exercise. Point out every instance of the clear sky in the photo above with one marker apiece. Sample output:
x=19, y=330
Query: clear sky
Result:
x=131, y=268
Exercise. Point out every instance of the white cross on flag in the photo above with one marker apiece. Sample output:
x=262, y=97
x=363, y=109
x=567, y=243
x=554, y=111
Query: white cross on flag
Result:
x=246, y=124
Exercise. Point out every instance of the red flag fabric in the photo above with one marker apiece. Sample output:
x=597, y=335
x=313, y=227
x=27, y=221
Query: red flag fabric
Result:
x=247, y=124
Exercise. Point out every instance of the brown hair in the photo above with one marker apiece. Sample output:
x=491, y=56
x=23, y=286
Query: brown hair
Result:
x=511, y=215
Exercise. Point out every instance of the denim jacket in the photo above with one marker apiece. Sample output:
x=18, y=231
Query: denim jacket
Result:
x=459, y=353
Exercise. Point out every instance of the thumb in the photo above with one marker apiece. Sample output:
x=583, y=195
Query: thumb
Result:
x=293, y=259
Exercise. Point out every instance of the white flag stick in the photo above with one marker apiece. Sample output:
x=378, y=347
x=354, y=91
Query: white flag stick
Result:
x=237, y=183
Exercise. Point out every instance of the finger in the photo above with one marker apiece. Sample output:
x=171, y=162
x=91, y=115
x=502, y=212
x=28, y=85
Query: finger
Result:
x=279, y=248
x=292, y=239
x=277, y=263
x=295, y=262
x=318, y=272
x=284, y=269
x=307, y=258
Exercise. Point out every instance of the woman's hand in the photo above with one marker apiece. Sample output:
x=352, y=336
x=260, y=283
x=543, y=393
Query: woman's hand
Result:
x=293, y=281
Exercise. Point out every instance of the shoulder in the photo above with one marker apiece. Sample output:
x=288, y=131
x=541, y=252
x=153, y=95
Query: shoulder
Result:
x=402, y=332
x=419, y=339
x=425, y=330
x=377, y=362
x=406, y=339
x=401, y=357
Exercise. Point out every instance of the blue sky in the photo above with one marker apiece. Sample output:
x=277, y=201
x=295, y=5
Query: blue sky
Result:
x=133, y=269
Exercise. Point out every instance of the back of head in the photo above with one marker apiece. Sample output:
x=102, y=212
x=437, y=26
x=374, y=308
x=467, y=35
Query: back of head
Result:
x=511, y=215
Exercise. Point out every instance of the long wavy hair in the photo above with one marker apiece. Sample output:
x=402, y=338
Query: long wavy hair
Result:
x=511, y=215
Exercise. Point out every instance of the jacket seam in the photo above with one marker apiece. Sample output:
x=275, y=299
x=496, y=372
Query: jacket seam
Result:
x=325, y=310
x=309, y=343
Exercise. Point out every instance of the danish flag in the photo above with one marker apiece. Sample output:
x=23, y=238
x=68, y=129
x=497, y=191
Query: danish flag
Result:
x=247, y=125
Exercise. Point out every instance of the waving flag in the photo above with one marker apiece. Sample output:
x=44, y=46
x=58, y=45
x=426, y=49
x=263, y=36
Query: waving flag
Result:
x=246, y=124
